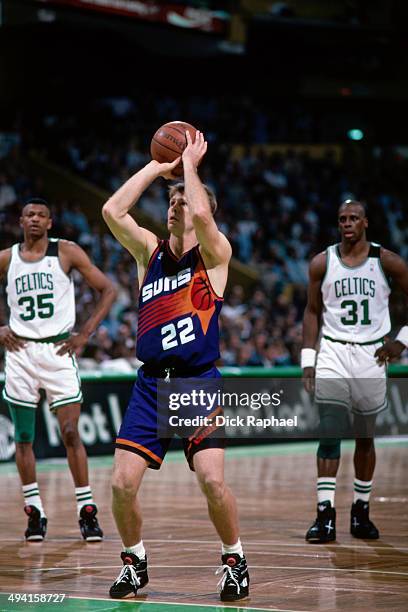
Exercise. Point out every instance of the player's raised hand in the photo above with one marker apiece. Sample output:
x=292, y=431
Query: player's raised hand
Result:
x=9, y=340
x=308, y=379
x=194, y=151
x=390, y=350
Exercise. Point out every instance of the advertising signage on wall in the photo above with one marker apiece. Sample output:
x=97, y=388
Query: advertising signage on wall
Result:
x=171, y=14
x=288, y=414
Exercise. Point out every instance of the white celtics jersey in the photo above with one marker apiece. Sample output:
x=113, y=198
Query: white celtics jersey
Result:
x=355, y=299
x=40, y=295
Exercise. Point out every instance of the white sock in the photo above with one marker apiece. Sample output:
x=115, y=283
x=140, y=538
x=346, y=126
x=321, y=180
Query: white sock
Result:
x=362, y=489
x=83, y=497
x=32, y=497
x=326, y=489
x=137, y=549
x=233, y=549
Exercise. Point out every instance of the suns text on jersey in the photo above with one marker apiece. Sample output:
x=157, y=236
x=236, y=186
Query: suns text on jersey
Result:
x=166, y=283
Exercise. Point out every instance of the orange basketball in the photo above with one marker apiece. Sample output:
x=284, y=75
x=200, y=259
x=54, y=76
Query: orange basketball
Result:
x=169, y=142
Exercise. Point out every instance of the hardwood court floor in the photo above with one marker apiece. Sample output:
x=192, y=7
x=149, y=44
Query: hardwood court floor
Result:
x=276, y=496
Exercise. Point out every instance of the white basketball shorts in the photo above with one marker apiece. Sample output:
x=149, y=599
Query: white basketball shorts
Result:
x=37, y=366
x=349, y=375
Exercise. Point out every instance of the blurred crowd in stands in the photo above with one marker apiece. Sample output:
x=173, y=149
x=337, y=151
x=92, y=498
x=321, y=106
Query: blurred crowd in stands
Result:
x=277, y=209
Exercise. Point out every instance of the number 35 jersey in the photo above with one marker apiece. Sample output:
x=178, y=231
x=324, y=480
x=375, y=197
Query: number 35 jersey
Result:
x=40, y=296
x=178, y=310
x=355, y=299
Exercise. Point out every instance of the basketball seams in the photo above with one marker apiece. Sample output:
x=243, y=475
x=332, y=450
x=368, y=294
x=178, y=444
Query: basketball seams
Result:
x=183, y=133
x=165, y=146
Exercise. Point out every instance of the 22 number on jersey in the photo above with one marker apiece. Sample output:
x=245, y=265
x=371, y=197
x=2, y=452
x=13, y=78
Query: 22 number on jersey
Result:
x=178, y=333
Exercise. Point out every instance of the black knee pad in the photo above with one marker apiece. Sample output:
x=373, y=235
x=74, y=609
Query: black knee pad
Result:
x=334, y=422
x=329, y=448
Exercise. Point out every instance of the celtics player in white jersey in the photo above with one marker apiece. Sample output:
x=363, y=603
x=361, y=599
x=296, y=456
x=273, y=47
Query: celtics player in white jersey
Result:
x=41, y=351
x=348, y=303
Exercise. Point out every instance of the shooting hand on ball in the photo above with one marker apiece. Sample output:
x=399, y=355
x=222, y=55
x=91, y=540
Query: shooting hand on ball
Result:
x=194, y=151
x=165, y=169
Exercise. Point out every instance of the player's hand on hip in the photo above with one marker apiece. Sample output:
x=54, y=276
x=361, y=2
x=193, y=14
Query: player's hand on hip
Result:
x=72, y=345
x=9, y=340
x=194, y=151
x=308, y=379
x=390, y=350
x=166, y=169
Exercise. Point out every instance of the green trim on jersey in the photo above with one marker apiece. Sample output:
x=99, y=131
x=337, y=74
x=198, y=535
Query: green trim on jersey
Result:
x=380, y=340
x=327, y=265
x=337, y=251
x=53, y=339
x=383, y=273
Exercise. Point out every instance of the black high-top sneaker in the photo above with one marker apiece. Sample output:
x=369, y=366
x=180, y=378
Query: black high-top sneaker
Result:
x=235, y=581
x=133, y=576
x=360, y=524
x=324, y=528
x=88, y=524
x=37, y=526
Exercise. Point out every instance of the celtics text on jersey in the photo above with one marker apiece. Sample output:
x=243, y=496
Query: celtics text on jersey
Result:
x=40, y=295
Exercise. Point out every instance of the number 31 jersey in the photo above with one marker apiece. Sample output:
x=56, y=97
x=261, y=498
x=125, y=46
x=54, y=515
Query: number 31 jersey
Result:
x=355, y=299
x=178, y=310
x=40, y=296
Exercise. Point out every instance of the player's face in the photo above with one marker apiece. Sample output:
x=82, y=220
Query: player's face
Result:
x=35, y=220
x=352, y=223
x=178, y=216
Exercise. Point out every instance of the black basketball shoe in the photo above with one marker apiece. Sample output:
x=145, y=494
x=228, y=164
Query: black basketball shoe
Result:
x=324, y=528
x=88, y=524
x=133, y=576
x=360, y=524
x=235, y=582
x=37, y=526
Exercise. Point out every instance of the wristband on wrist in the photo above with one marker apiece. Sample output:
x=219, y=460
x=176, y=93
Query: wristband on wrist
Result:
x=403, y=336
x=307, y=358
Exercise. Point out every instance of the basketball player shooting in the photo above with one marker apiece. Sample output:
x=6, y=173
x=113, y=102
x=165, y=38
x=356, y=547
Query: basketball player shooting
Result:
x=178, y=337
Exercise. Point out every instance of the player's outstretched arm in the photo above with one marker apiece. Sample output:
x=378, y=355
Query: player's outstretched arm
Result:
x=74, y=257
x=139, y=241
x=395, y=267
x=311, y=319
x=213, y=243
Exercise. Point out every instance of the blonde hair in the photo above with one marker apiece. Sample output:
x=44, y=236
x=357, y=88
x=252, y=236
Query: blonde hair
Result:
x=179, y=188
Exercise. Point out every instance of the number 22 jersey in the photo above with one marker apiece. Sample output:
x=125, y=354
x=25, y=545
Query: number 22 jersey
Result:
x=178, y=310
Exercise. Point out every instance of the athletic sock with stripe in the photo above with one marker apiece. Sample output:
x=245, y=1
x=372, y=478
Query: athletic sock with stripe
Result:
x=362, y=489
x=32, y=497
x=83, y=497
x=326, y=489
